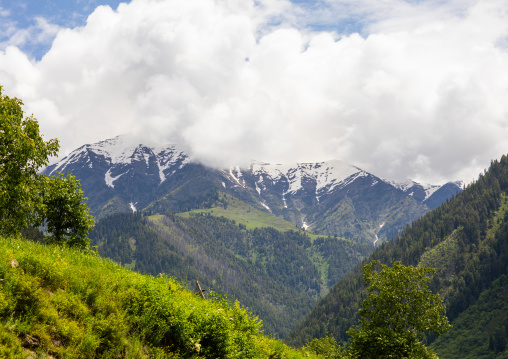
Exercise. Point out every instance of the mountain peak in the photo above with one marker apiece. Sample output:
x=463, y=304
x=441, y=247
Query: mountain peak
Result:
x=121, y=171
x=429, y=194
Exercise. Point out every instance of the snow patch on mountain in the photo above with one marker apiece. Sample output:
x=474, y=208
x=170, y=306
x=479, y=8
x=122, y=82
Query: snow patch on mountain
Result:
x=236, y=174
x=268, y=208
x=403, y=186
x=409, y=186
x=111, y=179
x=328, y=175
x=123, y=150
x=429, y=190
x=168, y=157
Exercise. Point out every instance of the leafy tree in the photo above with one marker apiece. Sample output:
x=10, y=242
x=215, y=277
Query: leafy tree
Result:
x=66, y=215
x=22, y=153
x=29, y=199
x=398, y=310
x=326, y=348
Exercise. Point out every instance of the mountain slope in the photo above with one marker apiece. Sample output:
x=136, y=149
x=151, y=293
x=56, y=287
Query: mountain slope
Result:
x=481, y=330
x=430, y=195
x=331, y=198
x=465, y=239
x=278, y=275
x=62, y=303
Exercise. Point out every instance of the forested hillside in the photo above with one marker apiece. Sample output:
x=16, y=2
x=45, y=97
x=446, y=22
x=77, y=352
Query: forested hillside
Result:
x=279, y=275
x=466, y=240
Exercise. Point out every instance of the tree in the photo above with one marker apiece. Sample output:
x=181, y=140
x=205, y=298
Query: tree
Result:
x=22, y=153
x=326, y=348
x=30, y=199
x=66, y=214
x=398, y=310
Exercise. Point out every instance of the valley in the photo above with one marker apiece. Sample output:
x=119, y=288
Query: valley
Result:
x=276, y=237
x=259, y=179
x=466, y=241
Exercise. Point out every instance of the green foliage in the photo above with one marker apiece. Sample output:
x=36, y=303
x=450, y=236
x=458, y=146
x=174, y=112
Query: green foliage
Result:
x=465, y=240
x=398, y=310
x=326, y=347
x=70, y=304
x=22, y=153
x=29, y=199
x=244, y=214
x=482, y=330
x=66, y=214
x=274, y=273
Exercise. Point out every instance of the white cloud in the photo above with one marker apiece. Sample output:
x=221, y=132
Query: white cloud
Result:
x=40, y=33
x=420, y=94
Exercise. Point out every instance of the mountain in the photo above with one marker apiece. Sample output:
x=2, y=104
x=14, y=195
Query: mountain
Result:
x=331, y=198
x=278, y=275
x=466, y=241
x=237, y=230
x=430, y=195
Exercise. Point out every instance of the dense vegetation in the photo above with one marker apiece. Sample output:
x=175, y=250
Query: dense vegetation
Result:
x=399, y=309
x=480, y=332
x=465, y=239
x=66, y=303
x=31, y=199
x=278, y=275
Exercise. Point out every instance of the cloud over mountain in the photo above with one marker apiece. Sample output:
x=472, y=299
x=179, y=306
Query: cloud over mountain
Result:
x=419, y=93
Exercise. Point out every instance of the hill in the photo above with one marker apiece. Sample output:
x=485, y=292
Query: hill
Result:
x=279, y=275
x=466, y=240
x=59, y=302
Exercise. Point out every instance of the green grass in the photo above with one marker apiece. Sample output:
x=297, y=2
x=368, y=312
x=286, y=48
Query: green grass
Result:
x=69, y=304
x=245, y=214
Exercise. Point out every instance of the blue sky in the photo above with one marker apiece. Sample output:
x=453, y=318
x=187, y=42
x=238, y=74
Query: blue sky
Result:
x=403, y=89
x=22, y=15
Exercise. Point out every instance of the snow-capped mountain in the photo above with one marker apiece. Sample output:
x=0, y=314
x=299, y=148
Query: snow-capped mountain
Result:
x=120, y=174
x=119, y=154
x=322, y=177
x=333, y=197
x=328, y=176
x=428, y=194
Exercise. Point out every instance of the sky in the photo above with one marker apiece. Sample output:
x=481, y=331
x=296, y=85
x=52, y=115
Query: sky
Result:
x=403, y=89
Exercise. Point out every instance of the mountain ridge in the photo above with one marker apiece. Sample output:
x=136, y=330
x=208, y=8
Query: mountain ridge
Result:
x=121, y=175
x=466, y=241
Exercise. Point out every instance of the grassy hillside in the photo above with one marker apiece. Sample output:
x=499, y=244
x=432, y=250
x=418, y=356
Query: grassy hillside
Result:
x=242, y=213
x=278, y=275
x=466, y=241
x=65, y=303
x=232, y=208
